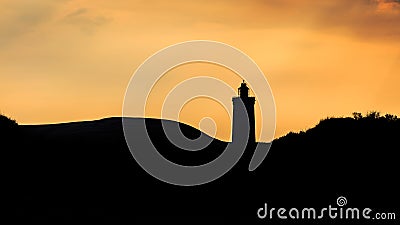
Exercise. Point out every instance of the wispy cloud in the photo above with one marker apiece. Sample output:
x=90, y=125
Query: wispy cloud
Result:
x=85, y=19
x=21, y=17
x=372, y=19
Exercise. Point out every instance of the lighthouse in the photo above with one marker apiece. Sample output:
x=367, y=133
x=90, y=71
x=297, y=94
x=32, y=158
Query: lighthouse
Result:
x=241, y=104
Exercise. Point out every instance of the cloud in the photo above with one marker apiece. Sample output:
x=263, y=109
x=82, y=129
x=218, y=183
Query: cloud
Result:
x=365, y=19
x=85, y=19
x=371, y=19
x=21, y=17
x=77, y=13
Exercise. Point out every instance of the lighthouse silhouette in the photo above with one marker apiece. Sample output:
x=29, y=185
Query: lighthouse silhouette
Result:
x=242, y=105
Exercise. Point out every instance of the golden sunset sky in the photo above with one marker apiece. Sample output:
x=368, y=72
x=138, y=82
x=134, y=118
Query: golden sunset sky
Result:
x=69, y=60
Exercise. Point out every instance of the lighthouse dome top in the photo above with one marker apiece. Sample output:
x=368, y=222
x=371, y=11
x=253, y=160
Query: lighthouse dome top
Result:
x=243, y=90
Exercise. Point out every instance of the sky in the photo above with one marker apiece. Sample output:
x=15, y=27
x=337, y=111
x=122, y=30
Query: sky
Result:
x=69, y=60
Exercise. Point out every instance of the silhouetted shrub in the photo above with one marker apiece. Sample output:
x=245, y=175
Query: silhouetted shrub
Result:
x=8, y=126
x=357, y=115
x=359, y=125
x=373, y=115
x=390, y=117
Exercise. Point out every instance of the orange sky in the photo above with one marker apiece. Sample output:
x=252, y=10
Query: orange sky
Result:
x=71, y=60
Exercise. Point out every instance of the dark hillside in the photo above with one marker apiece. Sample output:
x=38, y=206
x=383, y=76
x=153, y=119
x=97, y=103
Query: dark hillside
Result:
x=83, y=173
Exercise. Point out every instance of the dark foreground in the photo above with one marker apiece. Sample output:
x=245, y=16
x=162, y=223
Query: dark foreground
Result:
x=83, y=173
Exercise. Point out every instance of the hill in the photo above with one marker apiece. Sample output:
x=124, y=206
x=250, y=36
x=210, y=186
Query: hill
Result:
x=82, y=172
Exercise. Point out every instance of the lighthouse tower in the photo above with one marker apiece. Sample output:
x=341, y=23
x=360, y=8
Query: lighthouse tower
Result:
x=240, y=104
